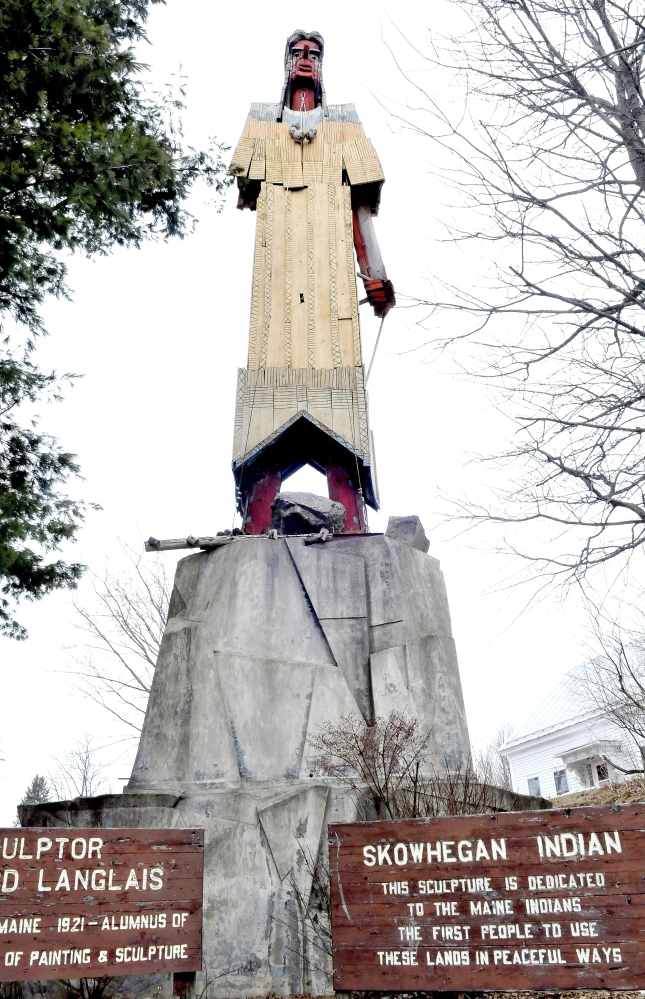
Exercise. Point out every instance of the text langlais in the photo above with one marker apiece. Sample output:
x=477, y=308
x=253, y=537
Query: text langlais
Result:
x=100, y=902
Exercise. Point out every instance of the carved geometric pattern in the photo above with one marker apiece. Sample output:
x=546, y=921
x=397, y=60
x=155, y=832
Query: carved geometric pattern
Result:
x=334, y=378
x=285, y=393
x=288, y=277
x=362, y=409
x=333, y=268
x=364, y=456
x=311, y=298
x=239, y=411
x=349, y=243
x=268, y=267
x=257, y=267
x=242, y=157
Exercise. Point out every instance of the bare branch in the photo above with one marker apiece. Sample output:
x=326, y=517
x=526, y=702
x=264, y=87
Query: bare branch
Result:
x=122, y=630
x=547, y=155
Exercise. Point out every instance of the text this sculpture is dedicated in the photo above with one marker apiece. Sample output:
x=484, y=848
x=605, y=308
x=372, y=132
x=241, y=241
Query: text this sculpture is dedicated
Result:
x=531, y=900
x=85, y=902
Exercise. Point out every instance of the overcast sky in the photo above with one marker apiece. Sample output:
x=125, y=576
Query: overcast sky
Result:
x=158, y=334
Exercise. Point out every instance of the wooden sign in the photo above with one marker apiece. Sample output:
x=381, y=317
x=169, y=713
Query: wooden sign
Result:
x=78, y=903
x=545, y=900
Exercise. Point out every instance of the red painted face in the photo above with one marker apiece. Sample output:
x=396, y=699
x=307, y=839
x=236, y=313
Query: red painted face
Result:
x=305, y=75
x=305, y=66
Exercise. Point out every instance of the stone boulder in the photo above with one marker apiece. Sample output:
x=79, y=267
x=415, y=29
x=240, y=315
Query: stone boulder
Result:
x=305, y=513
x=409, y=530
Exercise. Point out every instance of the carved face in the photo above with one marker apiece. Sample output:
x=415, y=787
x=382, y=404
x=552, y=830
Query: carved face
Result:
x=305, y=64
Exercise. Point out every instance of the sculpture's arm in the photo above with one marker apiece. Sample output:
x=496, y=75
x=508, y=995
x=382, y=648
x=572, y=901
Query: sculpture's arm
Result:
x=380, y=292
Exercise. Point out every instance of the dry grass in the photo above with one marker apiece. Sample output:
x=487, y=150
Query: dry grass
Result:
x=577, y=994
x=615, y=794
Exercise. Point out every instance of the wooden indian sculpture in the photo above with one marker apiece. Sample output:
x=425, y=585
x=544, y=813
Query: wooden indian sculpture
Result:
x=314, y=180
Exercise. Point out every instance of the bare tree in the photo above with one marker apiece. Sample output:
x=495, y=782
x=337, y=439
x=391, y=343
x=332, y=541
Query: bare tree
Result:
x=386, y=764
x=314, y=911
x=381, y=758
x=79, y=773
x=491, y=766
x=122, y=628
x=614, y=683
x=129, y=987
x=549, y=159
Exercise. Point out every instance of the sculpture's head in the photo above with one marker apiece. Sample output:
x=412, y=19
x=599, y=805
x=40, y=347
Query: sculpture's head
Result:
x=303, y=89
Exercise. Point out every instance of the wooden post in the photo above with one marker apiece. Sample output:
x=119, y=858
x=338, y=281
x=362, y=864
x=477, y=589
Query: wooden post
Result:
x=257, y=518
x=183, y=984
x=344, y=490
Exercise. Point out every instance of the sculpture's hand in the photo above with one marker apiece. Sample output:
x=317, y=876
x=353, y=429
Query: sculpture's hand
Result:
x=380, y=294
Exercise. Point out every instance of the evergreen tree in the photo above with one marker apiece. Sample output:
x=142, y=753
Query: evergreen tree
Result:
x=87, y=161
x=37, y=792
x=32, y=510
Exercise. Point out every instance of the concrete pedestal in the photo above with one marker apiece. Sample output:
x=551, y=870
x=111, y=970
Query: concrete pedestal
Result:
x=266, y=642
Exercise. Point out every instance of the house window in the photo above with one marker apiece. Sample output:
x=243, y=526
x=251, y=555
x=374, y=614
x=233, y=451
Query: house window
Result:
x=561, y=782
x=603, y=771
x=534, y=786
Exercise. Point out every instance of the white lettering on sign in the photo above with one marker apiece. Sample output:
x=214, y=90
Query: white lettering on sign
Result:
x=457, y=933
x=575, y=845
x=445, y=886
x=444, y=851
x=539, y=882
x=537, y=906
x=505, y=931
x=142, y=921
x=98, y=879
x=9, y=881
x=25, y=925
x=409, y=933
x=496, y=907
x=72, y=924
x=57, y=958
x=395, y=887
x=592, y=955
x=407, y=957
x=162, y=952
x=53, y=884
x=584, y=929
x=443, y=957
x=526, y=956
x=80, y=847
x=448, y=851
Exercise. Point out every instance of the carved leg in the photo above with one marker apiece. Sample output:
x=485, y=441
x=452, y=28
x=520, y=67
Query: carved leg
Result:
x=258, y=506
x=344, y=490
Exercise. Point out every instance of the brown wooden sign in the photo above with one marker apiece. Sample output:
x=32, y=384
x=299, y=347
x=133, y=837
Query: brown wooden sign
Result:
x=78, y=903
x=545, y=900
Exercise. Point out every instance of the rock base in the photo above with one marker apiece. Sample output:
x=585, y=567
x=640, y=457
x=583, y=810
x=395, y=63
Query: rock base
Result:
x=267, y=641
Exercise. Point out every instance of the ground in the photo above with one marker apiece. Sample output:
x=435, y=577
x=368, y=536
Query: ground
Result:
x=616, y=794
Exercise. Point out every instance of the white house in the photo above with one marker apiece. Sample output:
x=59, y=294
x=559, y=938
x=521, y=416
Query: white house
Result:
x=564, y=744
